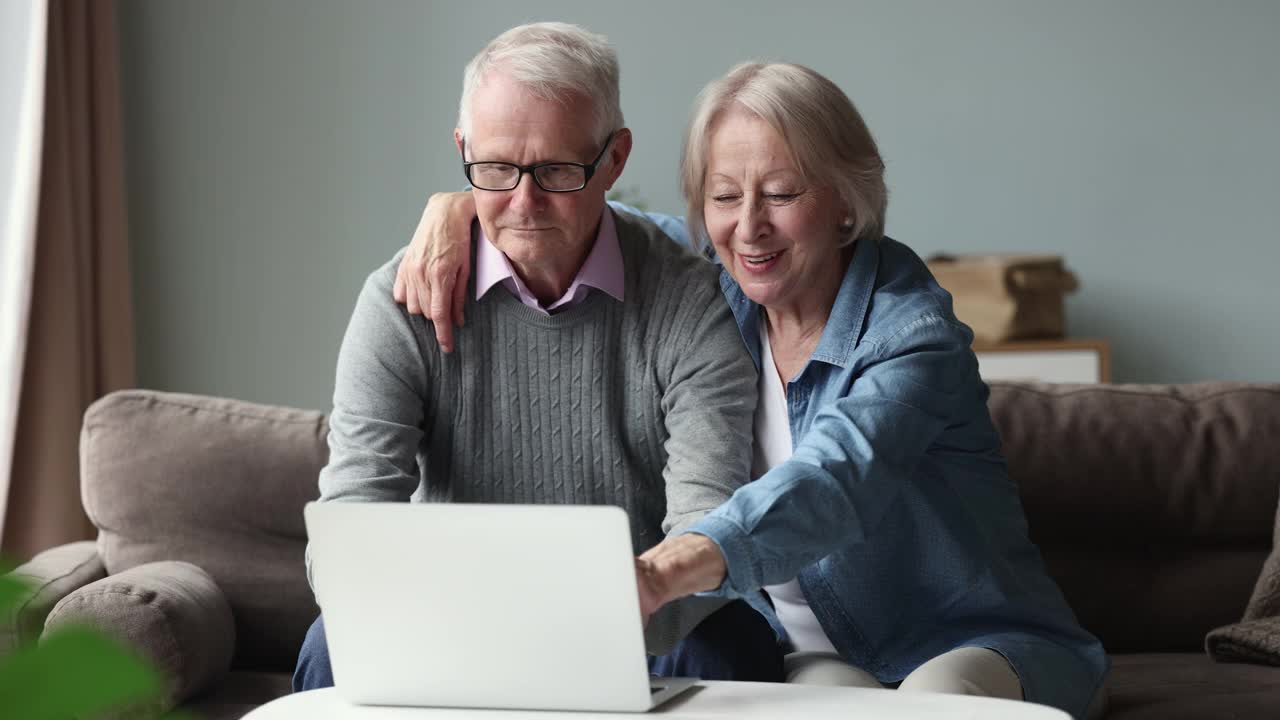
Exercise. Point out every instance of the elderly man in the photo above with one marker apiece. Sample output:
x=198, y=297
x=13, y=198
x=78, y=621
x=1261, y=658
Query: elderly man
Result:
x=600, y=364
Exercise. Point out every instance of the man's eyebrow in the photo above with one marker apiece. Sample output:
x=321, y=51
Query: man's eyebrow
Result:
x=583, y=156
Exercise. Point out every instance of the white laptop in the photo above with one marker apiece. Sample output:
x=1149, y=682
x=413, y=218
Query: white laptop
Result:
x=482, y=606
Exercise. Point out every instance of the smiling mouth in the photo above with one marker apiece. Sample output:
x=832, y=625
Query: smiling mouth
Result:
x=760, y=259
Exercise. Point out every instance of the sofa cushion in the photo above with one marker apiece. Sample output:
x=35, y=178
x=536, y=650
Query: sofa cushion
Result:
x=48, y=577
x=1189, y=686
x=1141, y=496
x=170, y=612
x=1152, y=597
x=217, y=483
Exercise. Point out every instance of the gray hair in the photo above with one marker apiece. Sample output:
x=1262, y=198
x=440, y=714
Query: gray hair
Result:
x=554, y=61
x=828, y=140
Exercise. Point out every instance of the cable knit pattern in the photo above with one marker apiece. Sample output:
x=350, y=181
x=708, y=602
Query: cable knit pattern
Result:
x=645, y=404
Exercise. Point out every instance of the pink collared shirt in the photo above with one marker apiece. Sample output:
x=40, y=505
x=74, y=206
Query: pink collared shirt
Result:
x=601, y=270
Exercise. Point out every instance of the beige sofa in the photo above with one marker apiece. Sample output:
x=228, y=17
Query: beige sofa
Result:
x=1153, y=506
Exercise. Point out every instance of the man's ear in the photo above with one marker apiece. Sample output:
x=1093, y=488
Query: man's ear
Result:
x=458, y=140
x=619, y=151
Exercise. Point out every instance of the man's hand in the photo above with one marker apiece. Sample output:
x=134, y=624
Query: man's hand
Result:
x=432, y=277
x=676, y=567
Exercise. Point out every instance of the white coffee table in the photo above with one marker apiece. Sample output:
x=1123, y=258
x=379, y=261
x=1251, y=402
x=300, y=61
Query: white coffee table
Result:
x=707, y=700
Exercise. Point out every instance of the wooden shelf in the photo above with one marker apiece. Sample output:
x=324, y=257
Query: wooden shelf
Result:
x=1064, y=360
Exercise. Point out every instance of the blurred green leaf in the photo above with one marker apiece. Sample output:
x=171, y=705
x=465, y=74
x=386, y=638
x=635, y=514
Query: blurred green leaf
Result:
x=74, y=672
x=11, y=592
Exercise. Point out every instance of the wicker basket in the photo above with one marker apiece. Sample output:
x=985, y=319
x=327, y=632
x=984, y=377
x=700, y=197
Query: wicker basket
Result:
x=1007, y=297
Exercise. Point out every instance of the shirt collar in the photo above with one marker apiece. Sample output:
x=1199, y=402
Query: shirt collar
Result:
x=603, y=269
x=849, y=311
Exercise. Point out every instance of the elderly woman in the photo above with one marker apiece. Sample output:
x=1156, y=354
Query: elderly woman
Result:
x=882, y=522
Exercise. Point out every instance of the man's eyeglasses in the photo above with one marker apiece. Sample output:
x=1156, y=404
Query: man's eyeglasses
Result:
x=559, y=177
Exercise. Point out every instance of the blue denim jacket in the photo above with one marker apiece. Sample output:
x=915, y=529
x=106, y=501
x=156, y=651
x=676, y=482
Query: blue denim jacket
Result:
x=896, y=512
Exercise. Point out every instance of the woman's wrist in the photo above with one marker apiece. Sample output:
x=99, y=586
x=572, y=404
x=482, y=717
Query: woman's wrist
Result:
x=684, y=565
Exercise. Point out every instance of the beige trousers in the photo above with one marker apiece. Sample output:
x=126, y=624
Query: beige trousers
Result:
x=963, y=671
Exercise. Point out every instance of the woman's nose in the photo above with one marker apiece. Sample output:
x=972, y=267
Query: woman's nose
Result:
x=752, y=221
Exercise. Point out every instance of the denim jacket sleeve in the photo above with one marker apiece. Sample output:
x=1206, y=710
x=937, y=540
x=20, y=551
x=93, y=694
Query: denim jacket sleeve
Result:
x=674, y=226
x=849, y=465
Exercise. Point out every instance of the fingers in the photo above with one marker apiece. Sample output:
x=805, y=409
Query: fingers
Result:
x=413, y=293
x=438, y=310
x=444, y=336
x=409, y=279
x=432, y=277
x=459, y=297
x=651, y=598
x=403, y=288
x=433, y=291
x=411, y=276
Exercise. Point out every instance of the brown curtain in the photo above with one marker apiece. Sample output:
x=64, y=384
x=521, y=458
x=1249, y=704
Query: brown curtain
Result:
x=80, y=337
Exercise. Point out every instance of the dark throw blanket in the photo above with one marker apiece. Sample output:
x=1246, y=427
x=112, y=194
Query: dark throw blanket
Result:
x=1256, y=638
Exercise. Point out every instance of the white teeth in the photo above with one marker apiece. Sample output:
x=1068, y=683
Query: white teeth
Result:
x=760, y=260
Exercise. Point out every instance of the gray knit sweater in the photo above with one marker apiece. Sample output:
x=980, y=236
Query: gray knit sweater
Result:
x=645, y=404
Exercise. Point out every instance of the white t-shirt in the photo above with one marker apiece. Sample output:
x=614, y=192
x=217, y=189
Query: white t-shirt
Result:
x=773, y=446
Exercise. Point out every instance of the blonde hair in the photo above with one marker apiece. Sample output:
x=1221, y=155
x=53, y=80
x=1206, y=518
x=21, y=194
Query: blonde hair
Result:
x=554, y=61
x=828, y=140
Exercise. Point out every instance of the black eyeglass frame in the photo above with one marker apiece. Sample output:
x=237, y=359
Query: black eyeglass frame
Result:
x=588, y=170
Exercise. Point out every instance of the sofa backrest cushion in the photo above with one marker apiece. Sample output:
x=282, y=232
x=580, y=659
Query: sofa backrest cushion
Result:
x=217, y=483
x=1153, y=506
